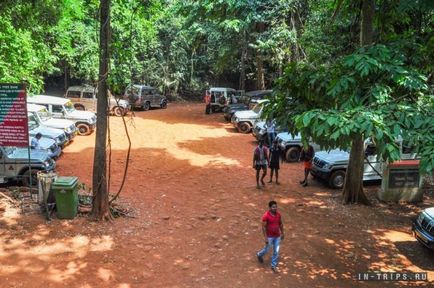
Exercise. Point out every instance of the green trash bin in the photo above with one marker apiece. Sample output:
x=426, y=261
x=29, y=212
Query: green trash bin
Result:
x=66, y=191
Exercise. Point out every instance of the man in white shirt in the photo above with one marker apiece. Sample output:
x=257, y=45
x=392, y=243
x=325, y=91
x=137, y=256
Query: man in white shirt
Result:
x=271, y=131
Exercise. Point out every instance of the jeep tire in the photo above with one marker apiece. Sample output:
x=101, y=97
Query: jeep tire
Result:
x=244, y=127
x=146, y=106
x=222, y=100
x=118, y=111
x=79, y=107
x=292, y=154
x=83, y=129
x=26, y=178
x=163, y=104
x=337, y=179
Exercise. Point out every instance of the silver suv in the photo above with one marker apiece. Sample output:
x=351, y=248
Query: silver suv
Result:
x=332, y=165
x=50, y=133
x=14, y=164
x=145, y=97
x=245, y=120
x=85, y=98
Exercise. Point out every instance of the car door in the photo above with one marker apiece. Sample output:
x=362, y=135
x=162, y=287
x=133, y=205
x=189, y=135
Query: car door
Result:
x=57, y=111
x=8, y=167
x=155, y=98
x=88, y=98
x=373, y=167
x=73, y=95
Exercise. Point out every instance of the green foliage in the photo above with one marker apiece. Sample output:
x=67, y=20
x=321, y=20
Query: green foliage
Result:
x=371, y=92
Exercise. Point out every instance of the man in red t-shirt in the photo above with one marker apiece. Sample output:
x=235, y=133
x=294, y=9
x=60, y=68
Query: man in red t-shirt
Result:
x=272, y=228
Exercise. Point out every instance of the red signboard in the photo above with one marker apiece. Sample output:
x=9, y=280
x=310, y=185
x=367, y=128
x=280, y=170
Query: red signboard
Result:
x=14, y=129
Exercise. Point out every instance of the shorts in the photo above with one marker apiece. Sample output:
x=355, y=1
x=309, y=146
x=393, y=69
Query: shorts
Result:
x=261, y=166
x=275, y=165
x=307, y=164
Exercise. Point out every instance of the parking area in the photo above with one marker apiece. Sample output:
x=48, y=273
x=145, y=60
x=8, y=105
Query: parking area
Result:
x=197, y=218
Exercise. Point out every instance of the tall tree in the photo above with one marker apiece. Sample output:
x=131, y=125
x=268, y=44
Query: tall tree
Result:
x=353, y=187
x=100, y=207
x=375, y=92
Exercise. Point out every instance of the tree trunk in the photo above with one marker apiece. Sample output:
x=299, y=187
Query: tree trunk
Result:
x=367, y=27
x=294, y=46
x=353, y=187
x=100, y=207
x=242, y=84
x=192, y=65
x=260, y=83
x=65, y=80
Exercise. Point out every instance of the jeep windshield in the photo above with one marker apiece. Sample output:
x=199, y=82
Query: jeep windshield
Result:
x=44, y=115
x=33, y=122
x=69, y=107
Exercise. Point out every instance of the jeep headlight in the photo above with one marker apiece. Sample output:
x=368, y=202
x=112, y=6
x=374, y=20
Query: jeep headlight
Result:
x=327, y=166
x=47, y=163
x=68, y=130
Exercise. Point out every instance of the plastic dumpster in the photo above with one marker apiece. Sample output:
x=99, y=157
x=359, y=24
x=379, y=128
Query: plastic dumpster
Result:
x=66, y=191
x=401, y=182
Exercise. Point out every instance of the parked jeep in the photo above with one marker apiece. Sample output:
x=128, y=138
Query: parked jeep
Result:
x=14, y=164
x=46, y=120
x=245, y=102
x=423, y=228
x=144, y=97
x=85, y=98
x=222, y=97
x=62, y=108
x=57, y=135
x=332, y=165
x=244, y=120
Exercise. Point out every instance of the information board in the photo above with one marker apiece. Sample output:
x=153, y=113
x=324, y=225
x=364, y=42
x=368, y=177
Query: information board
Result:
x=14, y=129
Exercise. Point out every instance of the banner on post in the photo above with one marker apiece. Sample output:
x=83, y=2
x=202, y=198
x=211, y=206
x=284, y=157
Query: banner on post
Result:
x=14, y=129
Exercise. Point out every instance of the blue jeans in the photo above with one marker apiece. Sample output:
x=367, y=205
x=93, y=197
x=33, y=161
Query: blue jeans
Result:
x=271, y=136
x=275, y=242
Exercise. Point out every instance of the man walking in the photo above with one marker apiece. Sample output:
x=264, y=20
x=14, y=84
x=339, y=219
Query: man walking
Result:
x=272, y=229
x=260, y=162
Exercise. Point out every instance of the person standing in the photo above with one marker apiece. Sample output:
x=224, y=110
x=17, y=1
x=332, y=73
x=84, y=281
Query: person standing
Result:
x=272, y=230
x=271, y=131
x=260, y=162
x=207, y=102
x=306, y=156
x=275, y=158
x=34, y=143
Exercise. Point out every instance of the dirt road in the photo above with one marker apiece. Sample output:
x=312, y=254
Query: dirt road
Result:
x=197, y=221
